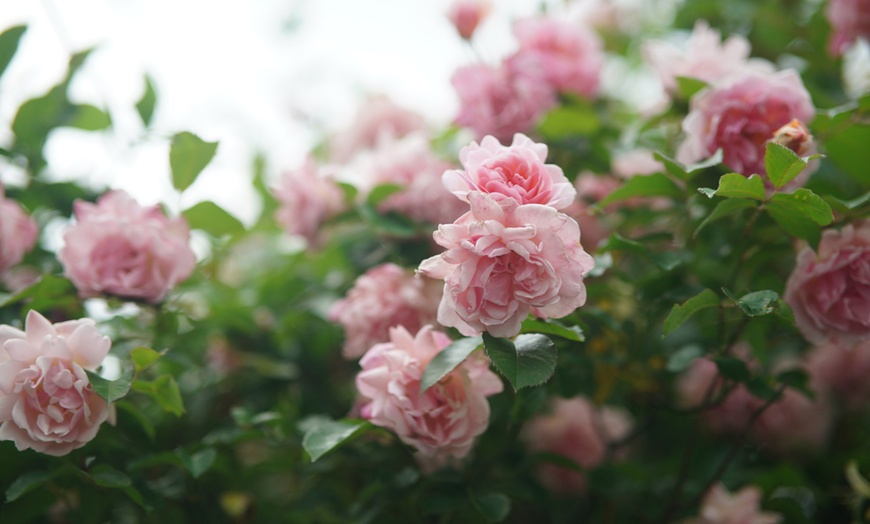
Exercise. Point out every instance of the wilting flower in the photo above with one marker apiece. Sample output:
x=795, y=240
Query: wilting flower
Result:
x=579, y=431
x=442, y=423
x=517, y=172
x=742, y=507
x=740, y=114
x=465, y=15
x=504, y=260
x=46, y=400
x=119, y=248
x=850, y=21
x=829, y=291
x=18, y=232
x=307, y=196
x=384, y=297
x=563, y=56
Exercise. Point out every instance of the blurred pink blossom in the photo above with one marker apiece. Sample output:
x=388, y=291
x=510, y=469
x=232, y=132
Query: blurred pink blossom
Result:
x=378, y=118
x=639, y=161
x=503, y=260
x=307, y=196
x=566, y=57
x=517, y=172
x=119, y=248
x=383, y=297
x=579, y=431
x=850, y=20
x=740, y=114
x=465, y=15
x=493, y=101
x=843, y=369
x=18, y=232
x=442, y=423
x=46, y=401
x=742, y=507
x=703, y=56
x=829, y=291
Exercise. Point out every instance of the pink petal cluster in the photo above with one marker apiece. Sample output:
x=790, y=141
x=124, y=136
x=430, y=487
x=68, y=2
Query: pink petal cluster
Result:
x=378, y=118
x=503, y=261
x=382, y=298
x=829, y=291
x=740, y=114
x=566, y=57
x=46, y=401
x=517, y=172
x=742, y=507
x=442, y=423
x=119, y=248
x=493, y=101
x=466, y=15
x=18, y=232
x=843, y=369
x=850, y=20
x=579, y=431
x=307, y=197
x=703, y=56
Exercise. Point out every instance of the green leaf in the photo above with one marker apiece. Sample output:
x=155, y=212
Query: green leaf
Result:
x=800, y=214
x=389, y=223
x=757, y=303
x=27, y=482
x=447, y=360
x=527, y=361
x=199, y=462
x=687, y=172
x=782, y=164
x=134, y=411
x=848, y=150
x=666, y=260
x=494, y=507
x=680, y=313
x=328, y=434
x=106, y=476
x=145, y=105
x=725, y=208
x=188, y=156
x=732, y=368
x=797, y=379
x=164, y=390
x=688, y=86
x=112, y=390
x=643, y=186
x=381, y=192
x=212, y=219
x=143, y=357
x=9, y=41
x=735, y=185
x=48, y=286
x=89, y=118
x=681, y=359
x=570, y=120
x=550, y=327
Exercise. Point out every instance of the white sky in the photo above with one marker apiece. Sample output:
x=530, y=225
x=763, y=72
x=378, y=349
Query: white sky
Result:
x=233, y=71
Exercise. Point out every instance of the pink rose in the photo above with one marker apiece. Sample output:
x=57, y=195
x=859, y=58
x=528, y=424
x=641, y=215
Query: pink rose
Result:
x=120, y=248
x=378, y=119
x=743, y=507
x=384, y=297
x=18, y=232
x=829, y=291
x=740, y=115
x=496, y=102
x=564, y=56
x=465, y=15
x=850, y=20
x=503, y=261
x=307, y=197
x=440, y=424
x=46, y=400
x=579, y=431
x=517, y=172
x=843, y=369
x=627, y=164
x=703, y=57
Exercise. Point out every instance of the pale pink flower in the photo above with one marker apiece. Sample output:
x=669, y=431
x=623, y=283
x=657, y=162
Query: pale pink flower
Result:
x=843, y=369
x=517, y=172
x=850, y=20
x=383, y=297
x=495, y=102
x=18, y=232
x=728, y=415
x=740, y=114
x=566, y=57
x=627, y=164
x=442, y=423
x=46, y=401
x=466, y=15
x=579, y=431
x=796, y=137
x=703, y=56
x=119, y=248
x=742, y=507
x=378, y=118
x=307, y=196
x=502, y=261
x=829, y=291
